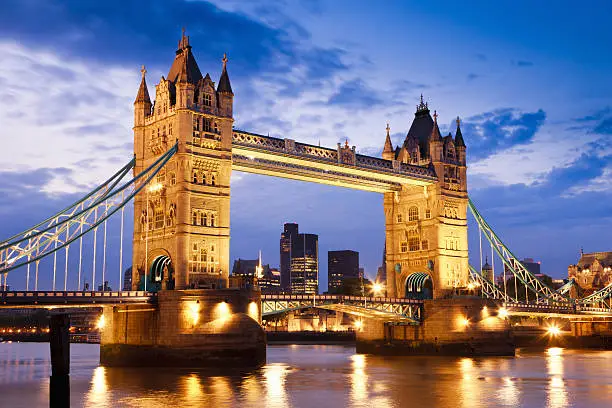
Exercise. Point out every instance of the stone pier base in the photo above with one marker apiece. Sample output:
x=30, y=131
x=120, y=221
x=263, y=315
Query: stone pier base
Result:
x=187, y=328
x=459, y=326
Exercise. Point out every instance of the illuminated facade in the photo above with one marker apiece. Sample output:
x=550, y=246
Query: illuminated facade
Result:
x=181, y=223
x=290, y=231
x=305, y=264
x=593, y=270
x=426, y=226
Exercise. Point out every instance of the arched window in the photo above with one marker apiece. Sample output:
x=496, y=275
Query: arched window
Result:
x=172, y=178
x=194, y=175
x=171, y=214
x=194, y=217
x=413, y=213
x=213, y=180
x=399, y=217
x=212, y=220
x=204, y=178
x=424, y=245
x=404, y=247
x=170, y=129
x=204, y=220
x=428, y=213
x=203, y=255
x=159, y=218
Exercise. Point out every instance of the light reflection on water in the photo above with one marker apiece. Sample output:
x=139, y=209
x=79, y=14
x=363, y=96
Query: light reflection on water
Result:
x=320, y=376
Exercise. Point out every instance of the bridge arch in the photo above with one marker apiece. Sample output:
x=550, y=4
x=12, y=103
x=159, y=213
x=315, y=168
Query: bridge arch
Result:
x=419, y=285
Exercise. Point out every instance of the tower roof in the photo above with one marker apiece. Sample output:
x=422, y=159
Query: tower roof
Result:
x=458, y=136
x=421, y=128
x=224, y=81
x=143, y=91
x=184, y=68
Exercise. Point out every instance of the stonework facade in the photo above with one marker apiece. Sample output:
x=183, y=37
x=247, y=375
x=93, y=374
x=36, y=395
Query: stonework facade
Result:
x=593, y=271
x=426, y=226
x=181, y=221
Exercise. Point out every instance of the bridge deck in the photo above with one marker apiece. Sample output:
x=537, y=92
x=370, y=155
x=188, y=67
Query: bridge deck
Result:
x=53, y=300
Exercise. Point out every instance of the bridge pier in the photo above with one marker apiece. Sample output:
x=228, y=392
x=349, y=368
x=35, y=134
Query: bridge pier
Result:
x=458, y=326
x=592, y=332
x=187, y=328
x=59, y=342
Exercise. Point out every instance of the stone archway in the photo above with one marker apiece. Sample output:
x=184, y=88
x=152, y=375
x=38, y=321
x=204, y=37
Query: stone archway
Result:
x=419, y=285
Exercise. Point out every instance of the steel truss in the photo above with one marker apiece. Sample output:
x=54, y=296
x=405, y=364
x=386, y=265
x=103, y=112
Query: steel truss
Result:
x=541, y=290
x=78, y=219
x=402, y=308
x=489, y=289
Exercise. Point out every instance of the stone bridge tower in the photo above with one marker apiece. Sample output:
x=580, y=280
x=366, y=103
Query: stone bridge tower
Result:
x=181, y=221
x=426, y=227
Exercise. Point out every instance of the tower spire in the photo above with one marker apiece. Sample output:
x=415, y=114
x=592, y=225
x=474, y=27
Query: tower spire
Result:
x=224, y=81
x=458, y=136
x=143, y=92
x=388, y=149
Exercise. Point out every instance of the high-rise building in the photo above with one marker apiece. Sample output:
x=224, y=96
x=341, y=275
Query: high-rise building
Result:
x=127, y=279
x=340, y=266
x=304, y=264
x=287, y=236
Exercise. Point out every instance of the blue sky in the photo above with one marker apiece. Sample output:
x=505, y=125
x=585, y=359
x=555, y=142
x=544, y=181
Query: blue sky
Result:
x=531, y=82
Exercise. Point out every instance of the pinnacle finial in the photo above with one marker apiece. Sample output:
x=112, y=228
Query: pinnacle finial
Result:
x=224, y=60
x=388, y=129
x=421, y=99
x=435, y=115
x=458, y=121
x=143, y=71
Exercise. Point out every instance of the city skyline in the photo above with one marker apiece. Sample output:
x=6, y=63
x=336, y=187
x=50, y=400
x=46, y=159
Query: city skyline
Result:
x=533, y=156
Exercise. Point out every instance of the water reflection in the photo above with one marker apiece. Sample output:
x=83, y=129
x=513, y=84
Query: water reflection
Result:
x=320, y=376
x=557, y=394
x=275, y=377
x=98, y=390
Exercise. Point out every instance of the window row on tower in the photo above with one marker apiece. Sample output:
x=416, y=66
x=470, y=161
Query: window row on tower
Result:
x=413, y=214
x=204, y=177
x=157, y=217
x=204, y=218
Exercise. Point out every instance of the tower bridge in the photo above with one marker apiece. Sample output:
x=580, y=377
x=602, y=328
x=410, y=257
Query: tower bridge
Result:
x=185, y=148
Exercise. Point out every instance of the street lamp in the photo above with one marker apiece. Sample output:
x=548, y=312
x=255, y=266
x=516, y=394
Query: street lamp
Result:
x=377, y=288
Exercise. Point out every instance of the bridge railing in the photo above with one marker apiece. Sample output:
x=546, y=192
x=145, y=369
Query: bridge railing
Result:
x=71, y=297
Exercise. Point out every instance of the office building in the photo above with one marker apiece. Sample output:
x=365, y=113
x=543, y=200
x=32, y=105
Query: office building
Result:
x=341, y=265
x=304, y=264
x=288, y=235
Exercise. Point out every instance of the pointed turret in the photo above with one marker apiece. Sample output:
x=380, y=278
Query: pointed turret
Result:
x=458, y=136
x=224, y=81
x=435, y=130
x=387, y=153
x=143, y=91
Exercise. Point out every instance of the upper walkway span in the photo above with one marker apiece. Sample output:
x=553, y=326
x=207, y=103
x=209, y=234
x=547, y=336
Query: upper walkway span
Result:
x=343, y=167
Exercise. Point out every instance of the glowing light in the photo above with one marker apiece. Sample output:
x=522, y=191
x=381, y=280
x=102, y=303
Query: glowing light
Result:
x=554, y=351
x=358, y=324
x=222, y=311
x=377, y=288
x=502, y=313
x=101, y=323
x=553, y=330
x=485, y=312
x=193, y=310
x=254, y=311
x=155, y=187
x=464, y=322
x=470, y=286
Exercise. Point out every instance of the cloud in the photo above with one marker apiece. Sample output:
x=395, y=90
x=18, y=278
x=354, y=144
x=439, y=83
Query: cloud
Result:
x=355, y=94
x=490, y=132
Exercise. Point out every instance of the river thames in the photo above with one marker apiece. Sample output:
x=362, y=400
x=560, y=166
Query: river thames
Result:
x=319, y=376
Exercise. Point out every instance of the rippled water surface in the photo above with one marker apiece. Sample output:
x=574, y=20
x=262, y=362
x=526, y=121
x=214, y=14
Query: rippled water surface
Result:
x=319, y=376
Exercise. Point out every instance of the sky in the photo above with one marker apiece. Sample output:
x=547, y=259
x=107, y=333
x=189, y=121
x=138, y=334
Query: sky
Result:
x=530, y=81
